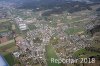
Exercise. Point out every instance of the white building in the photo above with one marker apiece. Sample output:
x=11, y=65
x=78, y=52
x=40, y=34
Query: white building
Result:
x=22, y=26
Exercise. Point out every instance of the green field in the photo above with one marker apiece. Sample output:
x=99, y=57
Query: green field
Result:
x=71, y=31
x=4, y=20
x=5, y=25
x=84, y=53
x=6, y=52
x=32, y=26
x=9, y=58
x=51, y=54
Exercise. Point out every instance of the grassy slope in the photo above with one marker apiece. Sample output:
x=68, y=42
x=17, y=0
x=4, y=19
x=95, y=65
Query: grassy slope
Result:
x=51, y=54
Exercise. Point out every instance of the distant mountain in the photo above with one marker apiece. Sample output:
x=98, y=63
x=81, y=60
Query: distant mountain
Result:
x=95, y=1
x=54, y=6
x=48, y=1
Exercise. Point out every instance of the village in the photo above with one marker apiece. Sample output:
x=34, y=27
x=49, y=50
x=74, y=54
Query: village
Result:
x=34, y=36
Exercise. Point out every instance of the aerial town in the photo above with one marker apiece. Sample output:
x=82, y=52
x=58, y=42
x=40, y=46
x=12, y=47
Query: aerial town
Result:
x=31, y=35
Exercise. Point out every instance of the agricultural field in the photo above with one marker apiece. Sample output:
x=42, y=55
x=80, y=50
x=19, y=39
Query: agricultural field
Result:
x=6, y=51
x=5, y=25
x=85, y=54
x=51, y=54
